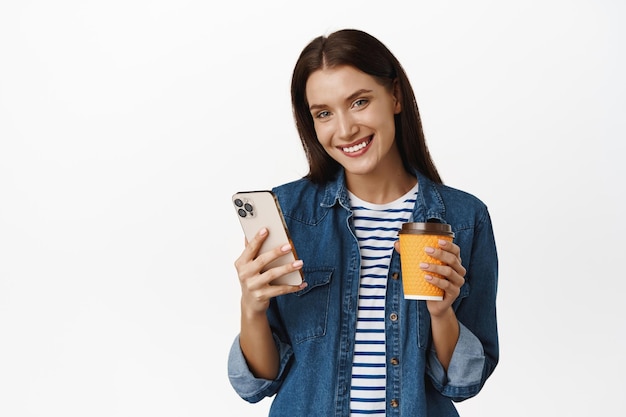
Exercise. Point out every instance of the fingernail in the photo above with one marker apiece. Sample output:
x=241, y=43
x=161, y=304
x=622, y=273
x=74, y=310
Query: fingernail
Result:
x=297, y=263
x=263, y=232
x=442, y=242
x=286, y=247
x=428, y=277
x=428, y=249
x=423, y=265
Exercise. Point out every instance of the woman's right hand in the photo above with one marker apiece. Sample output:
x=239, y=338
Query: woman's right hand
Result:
x=256, y=290
x=256, y=339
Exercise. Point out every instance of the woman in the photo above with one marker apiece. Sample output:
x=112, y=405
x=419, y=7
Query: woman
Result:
x=346, y=341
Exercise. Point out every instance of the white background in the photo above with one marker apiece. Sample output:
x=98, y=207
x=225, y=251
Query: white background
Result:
x=126, y=125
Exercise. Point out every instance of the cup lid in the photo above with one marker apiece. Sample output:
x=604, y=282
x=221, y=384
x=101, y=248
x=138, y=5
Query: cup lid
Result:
x=427, y=228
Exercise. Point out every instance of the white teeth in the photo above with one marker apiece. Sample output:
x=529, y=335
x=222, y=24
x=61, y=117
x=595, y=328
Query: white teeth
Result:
x=356, y=147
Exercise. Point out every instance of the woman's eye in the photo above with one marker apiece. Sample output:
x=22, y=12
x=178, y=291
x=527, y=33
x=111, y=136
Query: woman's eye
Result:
x=323, y=114
x=360, y=102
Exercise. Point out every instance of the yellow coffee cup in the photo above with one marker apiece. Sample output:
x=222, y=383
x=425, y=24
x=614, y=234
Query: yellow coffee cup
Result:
x=414, y=237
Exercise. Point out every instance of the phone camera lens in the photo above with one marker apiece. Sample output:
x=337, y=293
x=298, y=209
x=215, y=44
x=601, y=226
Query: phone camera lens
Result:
x=238, y=202
x=242, y=213
x=248, y=207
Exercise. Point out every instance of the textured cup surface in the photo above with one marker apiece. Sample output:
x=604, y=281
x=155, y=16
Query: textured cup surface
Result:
x=412, y=244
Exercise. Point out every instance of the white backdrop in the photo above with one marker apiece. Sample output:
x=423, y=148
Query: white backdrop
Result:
x=126, y=125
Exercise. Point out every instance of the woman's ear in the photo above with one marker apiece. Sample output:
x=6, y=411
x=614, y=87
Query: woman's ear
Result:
x=397, y=94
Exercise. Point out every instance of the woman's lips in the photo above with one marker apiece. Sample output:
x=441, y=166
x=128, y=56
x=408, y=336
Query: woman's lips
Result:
x=356, y=147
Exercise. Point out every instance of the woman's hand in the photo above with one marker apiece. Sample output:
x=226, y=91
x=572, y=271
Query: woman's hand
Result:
x=256, y=290
x=444, y=325
x=256, y=339
x=452, y=271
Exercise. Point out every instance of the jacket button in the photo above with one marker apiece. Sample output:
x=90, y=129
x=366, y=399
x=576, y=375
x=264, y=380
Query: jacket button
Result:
x=393, y=316
x=394, y=403
x=394, y=361
x=395, y=275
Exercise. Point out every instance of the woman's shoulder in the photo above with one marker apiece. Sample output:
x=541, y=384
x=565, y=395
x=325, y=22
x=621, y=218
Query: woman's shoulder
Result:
x=291, y=186
x=462, y=206
x=451, y=197
x=300, y=195
x=456, y=195
x=297, y=187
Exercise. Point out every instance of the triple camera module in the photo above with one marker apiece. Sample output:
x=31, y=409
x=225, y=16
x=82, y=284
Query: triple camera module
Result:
x=244, y=208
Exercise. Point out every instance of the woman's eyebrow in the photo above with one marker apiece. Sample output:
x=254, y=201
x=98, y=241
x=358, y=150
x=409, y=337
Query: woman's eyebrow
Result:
x=349, y=98
x=358, y=93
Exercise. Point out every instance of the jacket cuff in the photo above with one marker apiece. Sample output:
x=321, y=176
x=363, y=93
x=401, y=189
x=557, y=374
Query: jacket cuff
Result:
x=464, y=376
x=245, y=384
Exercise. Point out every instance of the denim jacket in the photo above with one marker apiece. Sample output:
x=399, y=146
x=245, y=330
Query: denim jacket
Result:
x=314, y=329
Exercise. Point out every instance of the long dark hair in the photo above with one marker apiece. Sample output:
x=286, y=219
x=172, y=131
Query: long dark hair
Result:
x=366, y=53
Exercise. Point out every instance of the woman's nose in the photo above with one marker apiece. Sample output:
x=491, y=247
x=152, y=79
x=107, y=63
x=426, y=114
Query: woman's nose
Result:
x=346, y=127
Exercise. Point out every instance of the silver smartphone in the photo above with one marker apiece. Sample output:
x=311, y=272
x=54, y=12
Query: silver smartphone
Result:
x=258, y=209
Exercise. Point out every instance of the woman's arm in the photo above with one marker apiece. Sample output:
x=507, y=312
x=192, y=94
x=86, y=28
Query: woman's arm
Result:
x=444, y=324
x=445, y=332
x=255, y=338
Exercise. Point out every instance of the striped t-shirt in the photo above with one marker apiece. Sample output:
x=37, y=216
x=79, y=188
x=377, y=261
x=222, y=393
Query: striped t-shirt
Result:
x=377, y=227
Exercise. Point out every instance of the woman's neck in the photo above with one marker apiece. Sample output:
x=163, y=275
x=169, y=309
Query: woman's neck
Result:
x=378, y=189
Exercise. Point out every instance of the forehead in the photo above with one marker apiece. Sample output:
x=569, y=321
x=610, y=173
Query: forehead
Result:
x=338, y=82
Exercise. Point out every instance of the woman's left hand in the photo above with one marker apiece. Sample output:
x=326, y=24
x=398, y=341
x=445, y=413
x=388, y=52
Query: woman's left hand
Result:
x=445, y=328
x=452, y=271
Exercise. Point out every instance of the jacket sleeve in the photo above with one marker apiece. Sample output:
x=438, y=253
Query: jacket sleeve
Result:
x=476, y=353
x=245, y=384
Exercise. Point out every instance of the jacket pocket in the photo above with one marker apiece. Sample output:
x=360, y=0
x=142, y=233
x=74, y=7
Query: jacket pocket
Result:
x=305, y=313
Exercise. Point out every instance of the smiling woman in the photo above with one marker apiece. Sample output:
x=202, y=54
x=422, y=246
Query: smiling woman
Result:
x=125, y=127
x=348, y=324
x=356, y=128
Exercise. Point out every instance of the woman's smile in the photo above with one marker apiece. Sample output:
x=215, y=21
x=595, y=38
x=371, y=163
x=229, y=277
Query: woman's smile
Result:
x=357, y=148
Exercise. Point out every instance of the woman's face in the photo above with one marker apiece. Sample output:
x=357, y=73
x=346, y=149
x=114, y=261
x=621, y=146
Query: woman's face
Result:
x=354, y=119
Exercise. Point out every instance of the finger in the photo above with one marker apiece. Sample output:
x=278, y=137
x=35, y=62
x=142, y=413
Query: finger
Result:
x=446, y=253
x=276, y=290
x=258, y=287
x=274, y=273
x=449, y=247
x=454, y=272
x=267, y=257
x=253, y=246
x=447, y=285
x=443, y=272
x=448, y=258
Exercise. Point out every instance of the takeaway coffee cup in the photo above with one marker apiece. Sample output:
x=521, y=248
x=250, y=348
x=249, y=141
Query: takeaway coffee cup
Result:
x=414, y=237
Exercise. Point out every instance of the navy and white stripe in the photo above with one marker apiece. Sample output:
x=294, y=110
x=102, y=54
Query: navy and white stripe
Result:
x=377, y=227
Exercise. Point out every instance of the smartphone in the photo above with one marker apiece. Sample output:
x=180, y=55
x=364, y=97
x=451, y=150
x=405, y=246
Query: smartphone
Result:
x=258, y=209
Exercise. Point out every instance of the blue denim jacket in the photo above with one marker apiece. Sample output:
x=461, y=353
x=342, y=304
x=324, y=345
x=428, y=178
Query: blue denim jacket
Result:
x=314, y=329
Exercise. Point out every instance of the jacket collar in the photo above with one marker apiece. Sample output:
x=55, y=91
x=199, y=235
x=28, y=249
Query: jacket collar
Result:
x=429, y=205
